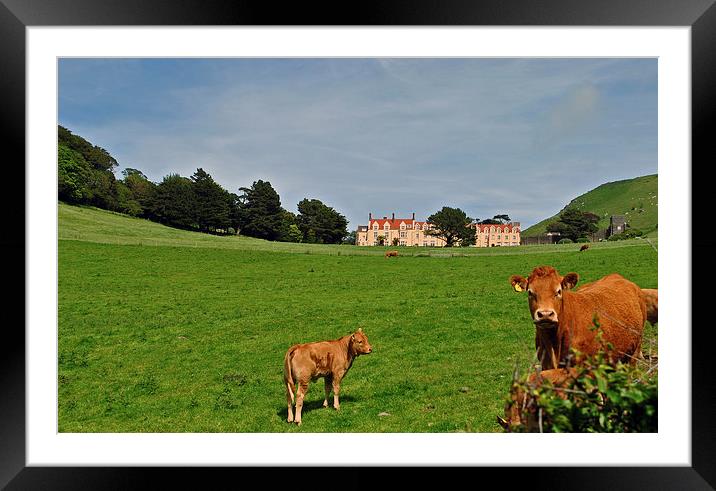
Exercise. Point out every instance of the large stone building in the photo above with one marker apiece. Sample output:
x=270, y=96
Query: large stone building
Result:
x=410, y=232
x=506, y=234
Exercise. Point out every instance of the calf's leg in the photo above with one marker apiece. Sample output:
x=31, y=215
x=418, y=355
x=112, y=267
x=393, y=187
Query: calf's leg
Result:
x=289, y=402
x=336, y=391
x=302, y=389
x=327, y=386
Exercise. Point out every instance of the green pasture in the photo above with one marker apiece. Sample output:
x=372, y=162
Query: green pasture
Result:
x=162, y=330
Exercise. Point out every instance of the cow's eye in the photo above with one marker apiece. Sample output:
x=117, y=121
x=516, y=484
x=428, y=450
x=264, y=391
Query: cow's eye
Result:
x=559, y=292
x=360, y=342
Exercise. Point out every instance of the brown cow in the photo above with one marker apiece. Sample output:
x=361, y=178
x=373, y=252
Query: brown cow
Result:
x=519, y=403
x=564, y=319
x=584, y=247
x=651, y=298
x=391, y=253
x=328, y=359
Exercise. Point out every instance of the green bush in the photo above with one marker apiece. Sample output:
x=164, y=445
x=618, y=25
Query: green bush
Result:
x=630, y=233
x=599, y=397
x=565, y=241
x=582, y=240
x=596, y=395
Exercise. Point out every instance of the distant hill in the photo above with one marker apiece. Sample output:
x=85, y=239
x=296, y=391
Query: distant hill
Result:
x=636, y=199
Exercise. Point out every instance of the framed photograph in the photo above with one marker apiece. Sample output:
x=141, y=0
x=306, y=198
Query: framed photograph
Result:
x=623, y=86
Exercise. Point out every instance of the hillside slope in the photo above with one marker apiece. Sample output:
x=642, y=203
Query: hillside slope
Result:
x=636, y=199
x=88, y=224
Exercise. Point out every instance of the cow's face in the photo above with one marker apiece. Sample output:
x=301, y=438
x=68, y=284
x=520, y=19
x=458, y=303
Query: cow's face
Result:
x=361, y=345
x=544, y=291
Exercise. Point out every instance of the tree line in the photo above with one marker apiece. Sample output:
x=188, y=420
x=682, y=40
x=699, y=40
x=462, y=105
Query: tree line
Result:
x=86, y=176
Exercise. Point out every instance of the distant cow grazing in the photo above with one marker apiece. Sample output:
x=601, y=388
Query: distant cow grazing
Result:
x=564, y=319
x=391, y=253
x=584, y=247
x=651, y=298
x=328, y=359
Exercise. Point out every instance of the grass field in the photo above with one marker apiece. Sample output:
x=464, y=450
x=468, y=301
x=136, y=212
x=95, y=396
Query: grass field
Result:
x=162, y=330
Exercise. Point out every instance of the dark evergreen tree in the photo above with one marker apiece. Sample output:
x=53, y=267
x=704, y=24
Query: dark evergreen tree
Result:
x=573, y=224
x=174, y=202
x=212, y=203
x=322, y=222
x=451, y=225
x=260, y=212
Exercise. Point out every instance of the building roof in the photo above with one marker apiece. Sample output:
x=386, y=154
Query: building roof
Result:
x=394, y=224
x=505, y=227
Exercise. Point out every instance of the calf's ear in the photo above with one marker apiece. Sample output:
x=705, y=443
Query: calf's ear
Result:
x=518, y=282
x=570, y=280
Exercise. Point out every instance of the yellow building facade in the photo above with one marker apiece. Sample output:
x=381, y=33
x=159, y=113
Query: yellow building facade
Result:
x=411, y=232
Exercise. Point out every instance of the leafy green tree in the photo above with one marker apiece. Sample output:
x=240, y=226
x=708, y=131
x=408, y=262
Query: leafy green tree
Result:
x=141, y=188
x=212, y=202
x=94, y=182
x=289, y=221
x=126, y=201
x=574, y=224
x=452, y=225
x=310, y=236
x=73, y=173
x=98, y=157
x=380, y=240
x=260, y=212
x=294, y=233
x=174, y=202
x=329, y=226
x=502, y=218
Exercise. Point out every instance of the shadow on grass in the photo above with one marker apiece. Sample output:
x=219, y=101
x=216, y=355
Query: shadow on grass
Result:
x=309, y=406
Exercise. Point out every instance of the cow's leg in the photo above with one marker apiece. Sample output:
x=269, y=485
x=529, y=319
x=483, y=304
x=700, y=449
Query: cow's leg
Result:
x=302, y=389
x=289, y=402
x=328, y=382
x=336, y=390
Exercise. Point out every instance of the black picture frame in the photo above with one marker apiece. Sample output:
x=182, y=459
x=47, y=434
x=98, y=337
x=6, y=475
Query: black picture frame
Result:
x=16, y=15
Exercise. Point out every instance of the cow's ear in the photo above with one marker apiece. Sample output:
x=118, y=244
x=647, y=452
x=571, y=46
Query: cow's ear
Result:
x=570, y=280
x=353, y=337
x=518, y=282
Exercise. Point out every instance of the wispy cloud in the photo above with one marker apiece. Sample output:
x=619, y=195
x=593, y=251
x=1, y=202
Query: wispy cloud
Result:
x=515, y=136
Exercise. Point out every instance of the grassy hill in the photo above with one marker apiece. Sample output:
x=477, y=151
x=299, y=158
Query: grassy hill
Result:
x=636, y=199
x=89, y=224
x=164, y=330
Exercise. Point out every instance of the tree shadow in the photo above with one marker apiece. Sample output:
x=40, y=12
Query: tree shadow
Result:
x=313, y=405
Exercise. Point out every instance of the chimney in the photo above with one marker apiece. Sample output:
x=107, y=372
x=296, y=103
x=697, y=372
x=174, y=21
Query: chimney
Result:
x=393, y=216
x=370, y=216
x=413, y=216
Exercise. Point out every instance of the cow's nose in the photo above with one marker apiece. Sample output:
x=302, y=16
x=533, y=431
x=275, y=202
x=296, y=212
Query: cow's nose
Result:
x=546, y=315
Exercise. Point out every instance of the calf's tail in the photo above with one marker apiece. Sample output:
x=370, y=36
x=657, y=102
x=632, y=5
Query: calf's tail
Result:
x=288, y=375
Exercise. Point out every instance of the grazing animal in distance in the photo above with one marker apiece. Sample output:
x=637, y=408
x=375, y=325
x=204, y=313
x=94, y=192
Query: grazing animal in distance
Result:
x=651, y=298
x=328, y=359
x=391, y=253
x=564, y=319
x=584, y=247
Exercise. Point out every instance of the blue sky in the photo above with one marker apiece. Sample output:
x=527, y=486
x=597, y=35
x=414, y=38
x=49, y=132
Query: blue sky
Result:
x=380, y=135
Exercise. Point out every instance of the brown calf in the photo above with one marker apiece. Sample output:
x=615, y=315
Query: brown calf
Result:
x=328, y=359
x=391, y=253
x=651, y=298
x=584, y=247
x=564, y=319
x=522, y=405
